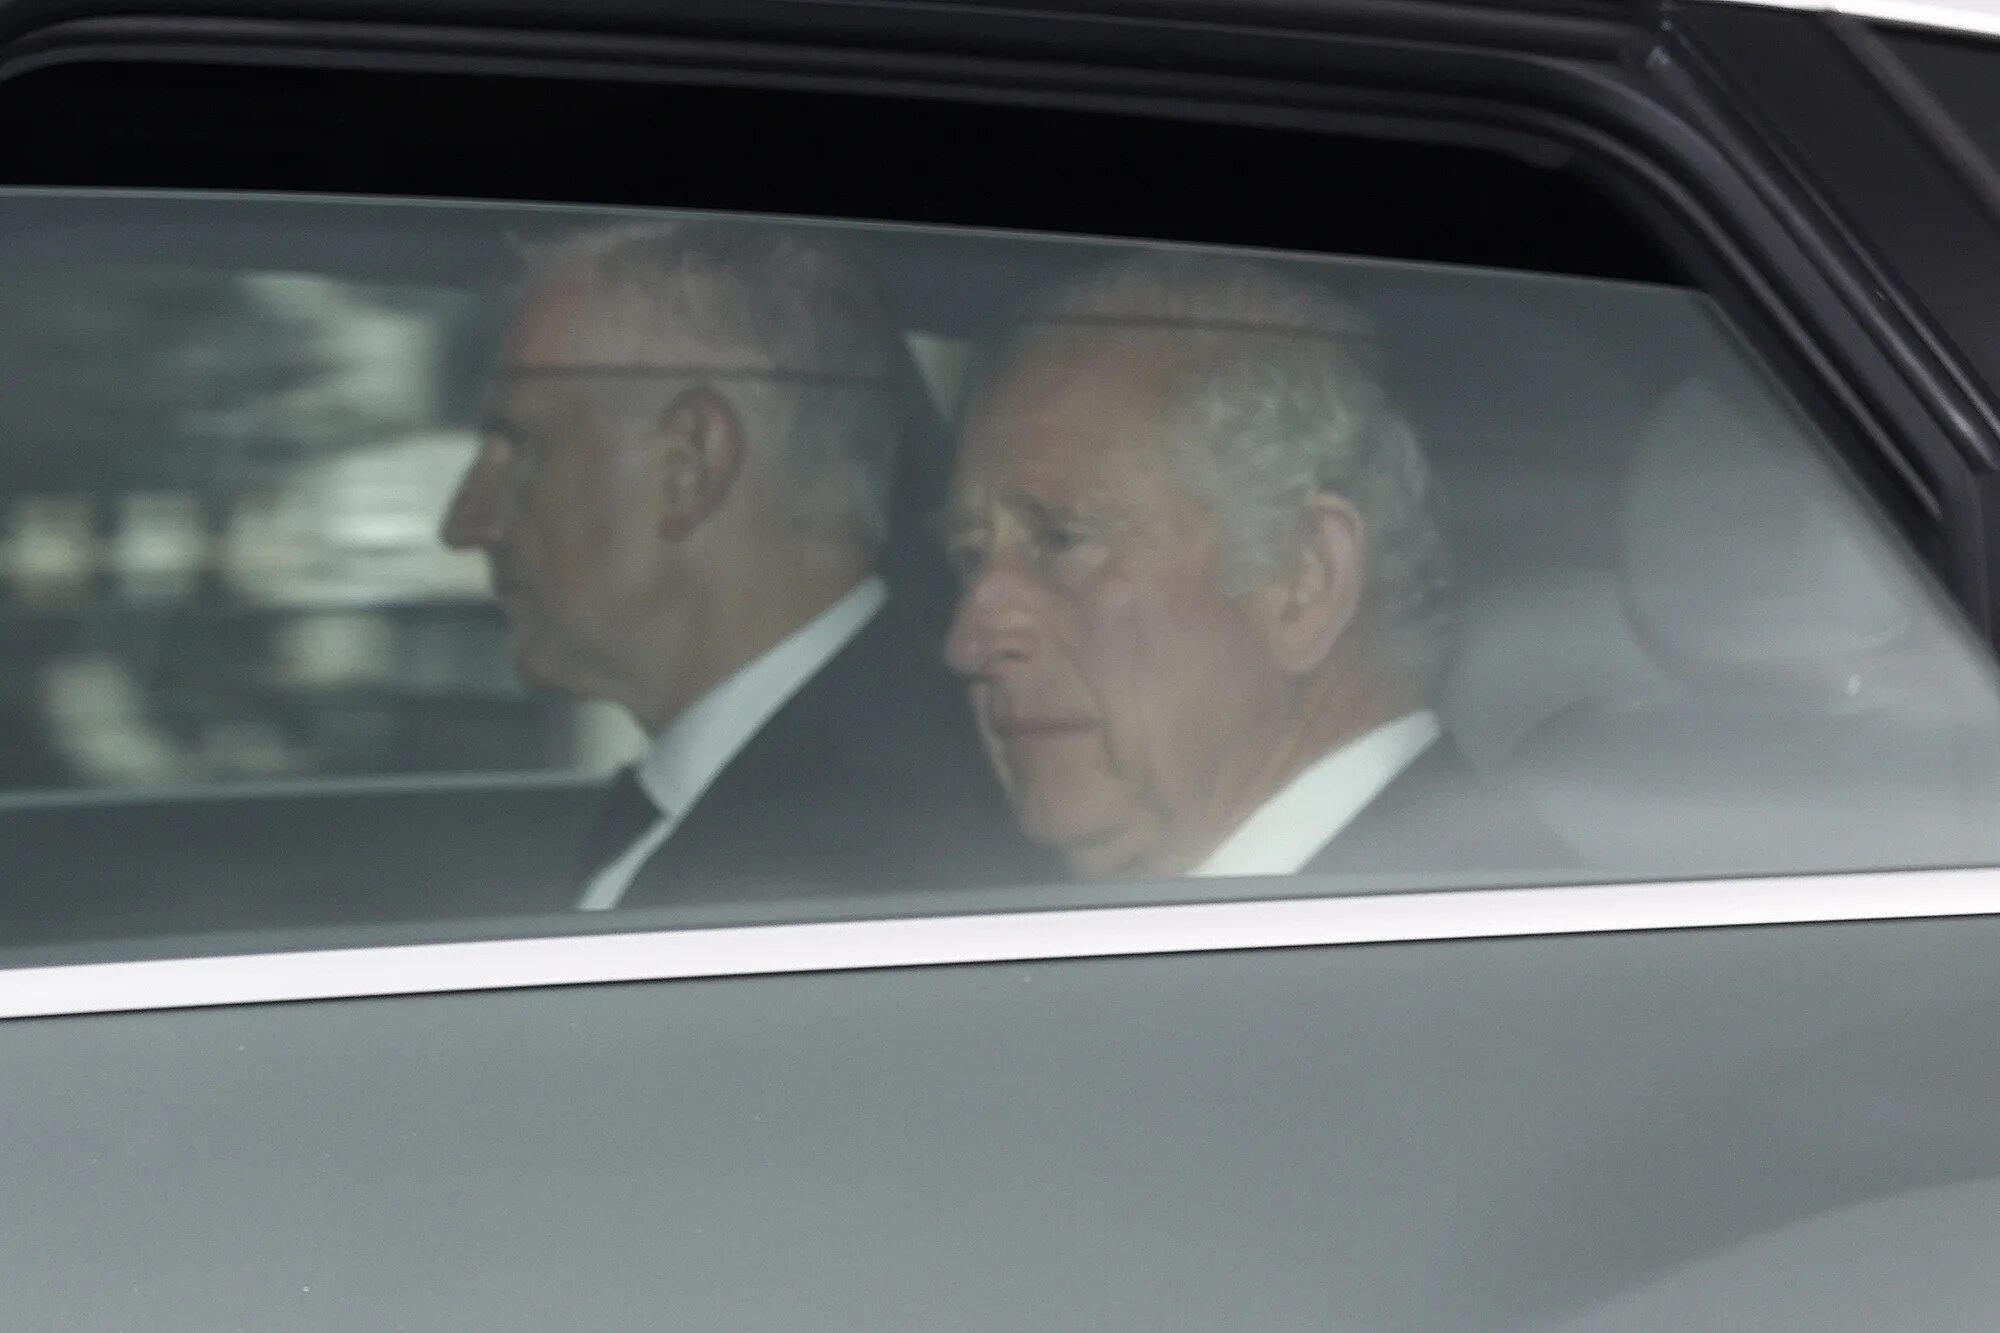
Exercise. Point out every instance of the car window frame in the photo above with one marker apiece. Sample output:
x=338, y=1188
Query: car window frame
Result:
x=1915, y=223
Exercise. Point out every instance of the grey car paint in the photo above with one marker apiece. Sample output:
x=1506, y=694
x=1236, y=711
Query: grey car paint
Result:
x=1479, y=1134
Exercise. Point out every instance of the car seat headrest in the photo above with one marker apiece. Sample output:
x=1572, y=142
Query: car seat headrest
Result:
x=1742, y=560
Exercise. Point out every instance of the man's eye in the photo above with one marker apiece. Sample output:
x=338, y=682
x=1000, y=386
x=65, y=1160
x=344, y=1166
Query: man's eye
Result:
x=1055, y=540
x=965, y=553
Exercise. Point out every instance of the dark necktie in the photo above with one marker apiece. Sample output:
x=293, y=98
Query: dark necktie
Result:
x=626, y=813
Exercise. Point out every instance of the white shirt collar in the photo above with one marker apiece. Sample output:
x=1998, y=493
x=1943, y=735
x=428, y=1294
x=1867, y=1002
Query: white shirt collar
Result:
x=1307, y=813
x=681, y=763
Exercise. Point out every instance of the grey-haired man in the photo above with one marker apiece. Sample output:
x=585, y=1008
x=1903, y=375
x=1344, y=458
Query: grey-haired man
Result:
x=1203, y=590
x=682, y=486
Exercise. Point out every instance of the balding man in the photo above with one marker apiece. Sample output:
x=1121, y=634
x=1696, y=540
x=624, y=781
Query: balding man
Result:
x=682, y=484
x=1203, y=590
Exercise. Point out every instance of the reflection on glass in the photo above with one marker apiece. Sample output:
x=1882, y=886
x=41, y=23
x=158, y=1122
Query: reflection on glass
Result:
x=51, y=549
x=1589, y=552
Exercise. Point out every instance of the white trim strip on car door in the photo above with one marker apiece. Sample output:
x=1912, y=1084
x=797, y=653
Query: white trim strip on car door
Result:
x=994, y=937
x=1979, y=17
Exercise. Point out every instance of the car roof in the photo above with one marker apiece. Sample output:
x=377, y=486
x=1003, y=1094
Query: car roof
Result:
x=677, y=13
x=747, y=16
x=1571, y=19
x=1969, y=16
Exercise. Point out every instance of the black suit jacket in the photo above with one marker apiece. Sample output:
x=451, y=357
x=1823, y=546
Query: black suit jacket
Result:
x=870, y=779
x=1439, y=817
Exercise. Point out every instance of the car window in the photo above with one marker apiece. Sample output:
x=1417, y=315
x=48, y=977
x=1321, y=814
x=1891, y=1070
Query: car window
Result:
x=390, y=563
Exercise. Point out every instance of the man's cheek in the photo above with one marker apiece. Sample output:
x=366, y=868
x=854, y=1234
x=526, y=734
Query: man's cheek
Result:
x=1125, y=657
x=1117, y=632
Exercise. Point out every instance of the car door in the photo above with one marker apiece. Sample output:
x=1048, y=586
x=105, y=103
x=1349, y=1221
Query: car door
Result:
x=1724, y=616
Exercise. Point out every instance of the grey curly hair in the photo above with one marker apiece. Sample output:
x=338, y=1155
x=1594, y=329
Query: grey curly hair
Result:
x=1283, y=398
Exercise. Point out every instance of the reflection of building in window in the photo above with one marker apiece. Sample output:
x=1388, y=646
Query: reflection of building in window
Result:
x=334, y=650
x=218, y=550
x=98, y=723
x=356, y=528
x=160, y=546
x=308, y=364
x=51, y=550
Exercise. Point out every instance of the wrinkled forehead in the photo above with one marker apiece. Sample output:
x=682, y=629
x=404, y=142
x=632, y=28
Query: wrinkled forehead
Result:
x=571, y=348
x=537, y=405
x=1058, y=372
x=1079, y=392
x=1070, y=417
x=566, y=321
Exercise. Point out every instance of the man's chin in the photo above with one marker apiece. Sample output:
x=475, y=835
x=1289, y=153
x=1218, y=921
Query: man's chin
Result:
x=1091, y=848
x=539, y=672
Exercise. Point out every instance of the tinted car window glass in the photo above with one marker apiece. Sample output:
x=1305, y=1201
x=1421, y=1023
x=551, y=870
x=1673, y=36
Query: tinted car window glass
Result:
x=399, y=563
x=223, y=488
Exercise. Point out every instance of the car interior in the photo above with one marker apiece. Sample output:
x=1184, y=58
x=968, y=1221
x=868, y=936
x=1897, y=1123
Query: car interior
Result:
x=1677, y=628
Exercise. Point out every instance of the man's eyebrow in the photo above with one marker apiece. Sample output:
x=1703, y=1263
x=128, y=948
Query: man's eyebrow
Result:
x=1037, y=512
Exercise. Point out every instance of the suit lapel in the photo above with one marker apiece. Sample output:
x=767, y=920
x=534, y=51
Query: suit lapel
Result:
x=799, y=752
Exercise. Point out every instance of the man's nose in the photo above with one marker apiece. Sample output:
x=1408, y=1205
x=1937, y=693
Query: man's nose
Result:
x=476, y=516
x=994, y=621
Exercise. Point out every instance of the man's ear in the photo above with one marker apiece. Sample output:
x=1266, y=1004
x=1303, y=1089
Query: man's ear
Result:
x=1315, y=593
x=702, y=444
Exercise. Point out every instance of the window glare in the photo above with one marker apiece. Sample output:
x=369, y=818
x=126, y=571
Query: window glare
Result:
x=250, y=546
